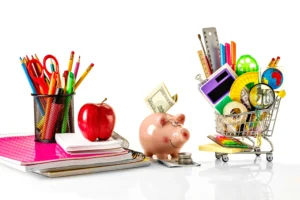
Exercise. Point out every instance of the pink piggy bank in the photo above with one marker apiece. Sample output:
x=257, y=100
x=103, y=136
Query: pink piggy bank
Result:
x=162, y=134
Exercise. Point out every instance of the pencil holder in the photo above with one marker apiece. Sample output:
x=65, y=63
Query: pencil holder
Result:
x=53, y=114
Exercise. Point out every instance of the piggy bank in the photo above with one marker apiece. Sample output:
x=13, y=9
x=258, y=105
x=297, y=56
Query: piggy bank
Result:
x=162, y=134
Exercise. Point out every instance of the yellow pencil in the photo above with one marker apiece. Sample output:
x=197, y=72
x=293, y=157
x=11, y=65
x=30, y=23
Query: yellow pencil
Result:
x=83, y=75
x=71, y=61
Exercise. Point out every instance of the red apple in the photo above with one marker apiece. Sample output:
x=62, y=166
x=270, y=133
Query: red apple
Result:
x=96, y=121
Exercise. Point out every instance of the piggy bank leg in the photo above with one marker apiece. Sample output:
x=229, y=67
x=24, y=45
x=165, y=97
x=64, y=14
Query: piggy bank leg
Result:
x=148, y=154
x=174, y=155
x=162, y=156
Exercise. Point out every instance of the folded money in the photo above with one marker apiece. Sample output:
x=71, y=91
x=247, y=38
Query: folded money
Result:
x=160, y=100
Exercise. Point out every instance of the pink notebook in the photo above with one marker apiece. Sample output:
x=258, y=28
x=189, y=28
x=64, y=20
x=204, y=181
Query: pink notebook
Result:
x=24, y=151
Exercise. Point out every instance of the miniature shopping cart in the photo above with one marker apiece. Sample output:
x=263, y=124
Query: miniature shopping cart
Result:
x=258, y=124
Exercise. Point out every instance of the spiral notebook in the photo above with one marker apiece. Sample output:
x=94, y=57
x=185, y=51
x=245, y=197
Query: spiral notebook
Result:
x=138, y=160
x=23, y=153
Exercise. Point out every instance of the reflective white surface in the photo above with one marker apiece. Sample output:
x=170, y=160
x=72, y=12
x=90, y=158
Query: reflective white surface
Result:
x=235, y=180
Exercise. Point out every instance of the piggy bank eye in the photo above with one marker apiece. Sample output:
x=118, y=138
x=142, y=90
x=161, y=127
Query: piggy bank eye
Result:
x=175, y=123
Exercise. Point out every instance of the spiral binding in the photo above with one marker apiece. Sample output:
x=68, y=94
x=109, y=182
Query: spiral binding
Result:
x=135, y=154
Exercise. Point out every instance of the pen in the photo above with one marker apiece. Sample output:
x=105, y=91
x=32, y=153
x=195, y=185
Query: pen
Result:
x=71, y=61
x=69, y=91
x=83, y=75
x=31, y=85
x=76, y=68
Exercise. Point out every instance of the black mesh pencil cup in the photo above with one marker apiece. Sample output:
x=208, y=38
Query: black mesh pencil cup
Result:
x=53, y=114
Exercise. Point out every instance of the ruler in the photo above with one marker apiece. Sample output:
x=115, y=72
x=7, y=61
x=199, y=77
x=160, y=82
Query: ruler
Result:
x=204, y=64
x=212, y=47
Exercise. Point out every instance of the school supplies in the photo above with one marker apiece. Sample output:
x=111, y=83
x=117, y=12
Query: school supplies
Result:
x=71, y=61
x=40, y=80
x=137, y=161
x=77, y=67
x=84, y=75
x=22, y=152
x=76, y=142
x=223, y=56
x=229, y=142
x=261, y=96
x=204, y=59
x=246, y=63
x=217, y=87
x=228, y=53
x=249, y=109
x=69, y=91
x=212, y=47
x=233, y=54
x=240, y=83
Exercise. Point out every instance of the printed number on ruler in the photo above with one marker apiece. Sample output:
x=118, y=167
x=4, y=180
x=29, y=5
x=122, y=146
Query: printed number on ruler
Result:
x=205, y=66
x=212, y=47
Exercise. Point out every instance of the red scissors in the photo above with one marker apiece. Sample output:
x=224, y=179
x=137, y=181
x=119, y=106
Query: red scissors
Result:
x=39, y=78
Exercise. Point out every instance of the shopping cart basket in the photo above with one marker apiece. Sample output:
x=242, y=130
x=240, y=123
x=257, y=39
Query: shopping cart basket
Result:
x=257, y=124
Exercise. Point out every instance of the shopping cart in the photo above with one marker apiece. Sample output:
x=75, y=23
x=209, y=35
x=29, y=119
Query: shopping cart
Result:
x=259, y=124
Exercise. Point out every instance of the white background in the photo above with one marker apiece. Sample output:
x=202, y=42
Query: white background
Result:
x=137, y=44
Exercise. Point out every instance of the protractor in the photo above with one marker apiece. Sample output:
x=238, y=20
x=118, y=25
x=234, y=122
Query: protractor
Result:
x=246, y=63
x=241, y=82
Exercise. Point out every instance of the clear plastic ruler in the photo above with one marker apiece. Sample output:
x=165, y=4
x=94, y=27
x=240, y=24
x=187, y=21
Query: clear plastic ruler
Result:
x=212, y=47
x=204, y=64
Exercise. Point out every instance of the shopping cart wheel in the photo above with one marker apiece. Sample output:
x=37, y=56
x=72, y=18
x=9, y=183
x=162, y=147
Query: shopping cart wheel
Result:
x=257, y=150
x=225, y=158
x=269, y=157
x=218, y=156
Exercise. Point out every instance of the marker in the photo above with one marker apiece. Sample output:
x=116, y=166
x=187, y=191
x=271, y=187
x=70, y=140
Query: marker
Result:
x=84, y=75
x=69, y=90
x=228, y=56
x=71, y=61
x=222, y=54
x=233, y=54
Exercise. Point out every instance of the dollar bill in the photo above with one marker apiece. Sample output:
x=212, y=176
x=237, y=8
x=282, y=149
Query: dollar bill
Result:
x=160, y=100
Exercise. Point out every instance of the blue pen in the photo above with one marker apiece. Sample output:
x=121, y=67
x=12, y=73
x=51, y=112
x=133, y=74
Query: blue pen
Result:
x=222, y=54
x=32, y=86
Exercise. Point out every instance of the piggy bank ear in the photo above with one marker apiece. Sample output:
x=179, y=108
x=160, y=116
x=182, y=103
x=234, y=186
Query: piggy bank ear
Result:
x=161, y=120
x=180, y=118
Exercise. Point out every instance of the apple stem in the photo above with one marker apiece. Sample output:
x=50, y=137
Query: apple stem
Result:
x=104, y=100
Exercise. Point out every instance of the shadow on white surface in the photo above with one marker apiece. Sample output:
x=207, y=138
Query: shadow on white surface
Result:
x=236, y=180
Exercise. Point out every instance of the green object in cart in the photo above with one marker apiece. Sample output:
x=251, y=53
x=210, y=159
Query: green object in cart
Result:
x=246, y=63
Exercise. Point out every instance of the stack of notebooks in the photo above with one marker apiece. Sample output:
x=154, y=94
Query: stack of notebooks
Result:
x=72, y=154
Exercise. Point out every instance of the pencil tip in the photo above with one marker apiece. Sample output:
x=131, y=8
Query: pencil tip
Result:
x=92, y=64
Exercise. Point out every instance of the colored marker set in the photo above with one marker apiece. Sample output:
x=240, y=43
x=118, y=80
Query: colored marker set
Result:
x=53, y=94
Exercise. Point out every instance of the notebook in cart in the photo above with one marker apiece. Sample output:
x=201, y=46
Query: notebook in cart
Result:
x=23, y=153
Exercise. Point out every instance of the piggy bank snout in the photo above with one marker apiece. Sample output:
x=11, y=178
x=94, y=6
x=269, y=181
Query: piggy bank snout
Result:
x=184, y=134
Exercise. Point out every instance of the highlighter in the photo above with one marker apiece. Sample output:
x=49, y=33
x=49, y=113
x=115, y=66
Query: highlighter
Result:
x=69, y=91
x=55, y=110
